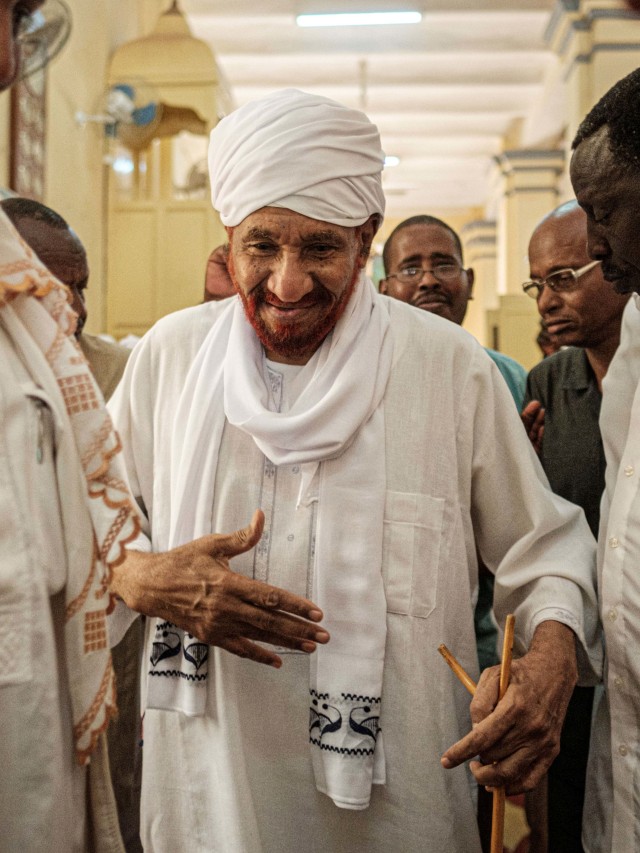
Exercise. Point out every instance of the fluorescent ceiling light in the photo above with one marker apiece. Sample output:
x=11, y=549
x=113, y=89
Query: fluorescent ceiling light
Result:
x=358, y=19
x=391, y=160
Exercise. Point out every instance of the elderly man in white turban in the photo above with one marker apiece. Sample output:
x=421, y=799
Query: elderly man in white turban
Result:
x=382, y=447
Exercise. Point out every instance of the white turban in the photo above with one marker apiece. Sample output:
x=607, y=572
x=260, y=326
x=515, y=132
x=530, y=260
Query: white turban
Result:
x=304, y=152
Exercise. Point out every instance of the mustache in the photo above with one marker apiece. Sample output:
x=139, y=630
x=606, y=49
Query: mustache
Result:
x=312, y=298
x=436, y=296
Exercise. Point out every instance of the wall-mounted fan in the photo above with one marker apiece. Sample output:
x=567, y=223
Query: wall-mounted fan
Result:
x=133, y=114
x=124, y=109
x=44, y=36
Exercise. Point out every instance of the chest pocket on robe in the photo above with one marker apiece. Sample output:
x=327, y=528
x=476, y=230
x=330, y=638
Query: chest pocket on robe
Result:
x=411, y=552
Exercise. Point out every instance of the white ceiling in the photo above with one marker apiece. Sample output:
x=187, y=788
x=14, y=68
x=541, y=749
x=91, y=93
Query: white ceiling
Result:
x=443, y=93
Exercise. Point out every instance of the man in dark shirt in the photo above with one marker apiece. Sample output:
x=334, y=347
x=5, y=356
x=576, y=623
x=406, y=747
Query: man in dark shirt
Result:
x=582, y=313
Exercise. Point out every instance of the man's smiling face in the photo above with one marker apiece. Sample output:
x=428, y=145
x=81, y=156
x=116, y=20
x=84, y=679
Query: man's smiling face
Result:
x=295, y=276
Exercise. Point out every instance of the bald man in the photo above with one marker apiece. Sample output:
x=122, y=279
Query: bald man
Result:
x=583, y=314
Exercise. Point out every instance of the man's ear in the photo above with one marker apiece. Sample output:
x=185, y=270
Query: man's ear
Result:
x=471, y=277
x=367, y=231
x=382, y=285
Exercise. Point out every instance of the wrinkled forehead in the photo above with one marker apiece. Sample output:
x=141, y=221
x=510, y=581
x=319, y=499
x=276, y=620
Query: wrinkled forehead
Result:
x=593, y=164
x=280, y=222
x=422, y=240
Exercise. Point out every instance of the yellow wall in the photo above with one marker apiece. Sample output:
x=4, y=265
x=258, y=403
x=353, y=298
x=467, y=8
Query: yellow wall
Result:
x=76, y=178
x=75, y=182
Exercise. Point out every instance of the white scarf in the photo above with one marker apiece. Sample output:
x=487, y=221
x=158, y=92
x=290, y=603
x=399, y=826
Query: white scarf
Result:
x=335, y=426
x=40, y=322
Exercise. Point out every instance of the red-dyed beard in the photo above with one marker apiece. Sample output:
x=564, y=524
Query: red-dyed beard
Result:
x=293, y=340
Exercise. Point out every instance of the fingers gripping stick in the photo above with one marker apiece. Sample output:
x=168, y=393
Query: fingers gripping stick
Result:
x=497, y=819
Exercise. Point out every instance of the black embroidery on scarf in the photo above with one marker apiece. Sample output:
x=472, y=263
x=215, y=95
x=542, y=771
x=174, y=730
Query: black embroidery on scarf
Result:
x=341, y=750
x=170, y=641
x=318, y=695
x=196, y=653
x=176, y=673
x=326, y=718
x=365, y=721
x=167, y=643
x=354, y=697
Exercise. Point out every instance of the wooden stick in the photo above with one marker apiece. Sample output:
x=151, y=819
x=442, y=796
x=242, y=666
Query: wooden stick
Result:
x=459, y=672
x=497, y=817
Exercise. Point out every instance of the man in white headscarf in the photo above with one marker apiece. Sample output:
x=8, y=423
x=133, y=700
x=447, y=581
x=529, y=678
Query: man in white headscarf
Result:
x=382, y=446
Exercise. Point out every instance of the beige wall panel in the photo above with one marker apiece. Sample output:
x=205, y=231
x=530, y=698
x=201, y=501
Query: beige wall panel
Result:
x=184, y=245
x=75, y=185
x=133, y=271
x=518, y=325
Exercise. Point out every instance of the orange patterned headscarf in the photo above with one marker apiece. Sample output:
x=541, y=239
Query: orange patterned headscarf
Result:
x=38, y=317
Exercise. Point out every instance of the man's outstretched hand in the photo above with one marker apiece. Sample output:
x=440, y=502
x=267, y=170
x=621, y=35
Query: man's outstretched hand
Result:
x=193, y=587
x=518, y=738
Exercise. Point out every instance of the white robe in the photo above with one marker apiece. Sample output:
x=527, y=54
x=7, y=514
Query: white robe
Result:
x=460, y=472
x=42, y=790
x=611, y=819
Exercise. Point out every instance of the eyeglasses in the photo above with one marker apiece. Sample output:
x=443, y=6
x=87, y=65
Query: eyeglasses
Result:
x=562, y=281
x=441, y=272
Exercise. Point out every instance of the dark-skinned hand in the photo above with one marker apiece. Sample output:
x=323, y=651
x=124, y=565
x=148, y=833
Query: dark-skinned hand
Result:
x=194, y=588
x=518, y=738
x=533, y=420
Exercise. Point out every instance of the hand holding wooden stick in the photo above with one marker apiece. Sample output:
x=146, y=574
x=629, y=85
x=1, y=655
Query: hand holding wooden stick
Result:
x=497, y=818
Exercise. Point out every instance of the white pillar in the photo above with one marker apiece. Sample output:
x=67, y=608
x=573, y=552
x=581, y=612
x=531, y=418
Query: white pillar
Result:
x=525, y=188
x=479, y=243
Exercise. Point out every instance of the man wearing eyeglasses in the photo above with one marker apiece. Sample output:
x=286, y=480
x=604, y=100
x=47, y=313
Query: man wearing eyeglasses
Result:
x=583, y=314
x=423, y=265
x=581, y=311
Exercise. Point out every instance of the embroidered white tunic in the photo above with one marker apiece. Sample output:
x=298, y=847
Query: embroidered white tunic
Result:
x=42, y=790
x=612, y=804
x=460, y=472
